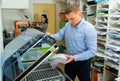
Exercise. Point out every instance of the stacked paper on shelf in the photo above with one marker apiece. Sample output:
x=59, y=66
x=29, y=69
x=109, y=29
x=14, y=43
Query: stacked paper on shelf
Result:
x=58, y=58
x=101, y=33
x=115, y=13
x=114, y=34
x=101, y=27
x=115, y=41
x=113, y=47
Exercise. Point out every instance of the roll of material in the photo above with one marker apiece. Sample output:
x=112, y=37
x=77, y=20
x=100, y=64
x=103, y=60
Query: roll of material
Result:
x=58, y=58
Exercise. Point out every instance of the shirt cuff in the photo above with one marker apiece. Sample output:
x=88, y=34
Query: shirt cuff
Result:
x=78, y=57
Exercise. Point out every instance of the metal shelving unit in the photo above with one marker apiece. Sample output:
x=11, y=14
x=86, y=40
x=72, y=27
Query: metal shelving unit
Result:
x=108, y=28
x=112, y=41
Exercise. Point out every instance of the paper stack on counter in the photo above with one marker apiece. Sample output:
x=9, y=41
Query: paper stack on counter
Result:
x=58, y=58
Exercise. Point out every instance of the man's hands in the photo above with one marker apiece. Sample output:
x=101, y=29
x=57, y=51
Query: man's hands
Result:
x=70, y=59
x=47, y=33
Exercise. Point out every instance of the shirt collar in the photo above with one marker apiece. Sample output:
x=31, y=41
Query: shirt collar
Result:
x=79, y=25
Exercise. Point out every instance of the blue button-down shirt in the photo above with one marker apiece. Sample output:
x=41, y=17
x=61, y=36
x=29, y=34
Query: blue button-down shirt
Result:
x=81, y=41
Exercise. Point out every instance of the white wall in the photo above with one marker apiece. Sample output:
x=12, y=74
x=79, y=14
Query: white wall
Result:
x=44, y=1
x=10, y=15
x=18, y=4
x=1, y=43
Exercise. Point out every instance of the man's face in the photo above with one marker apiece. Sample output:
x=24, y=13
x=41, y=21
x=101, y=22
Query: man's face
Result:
x=74, y=18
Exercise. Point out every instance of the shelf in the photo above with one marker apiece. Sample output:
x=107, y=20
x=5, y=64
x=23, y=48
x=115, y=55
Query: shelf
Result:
x=99, y=64
x=111, y=72
x=99, y=21
x=117, y=9
x=110, y=75
x=100, y=43
x=101, y=39
x=110, y=57
x=114, y=28
x=100, y=54
x=94, y=5
x=117, y=16
x=97, y=68
x=113, y=41
x=108, y=30
x=112, y=64
x=101, y=49
x=100, y=15
x=114, y=47
x=104, y=3
x=91, y=2
x=101, y=28
x=103, y=9
x=114, y=22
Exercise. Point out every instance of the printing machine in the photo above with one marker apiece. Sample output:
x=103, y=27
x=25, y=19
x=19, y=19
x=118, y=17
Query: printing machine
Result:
x=27, y=57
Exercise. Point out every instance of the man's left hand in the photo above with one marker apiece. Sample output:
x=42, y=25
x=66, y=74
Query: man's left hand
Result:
x=70, y=59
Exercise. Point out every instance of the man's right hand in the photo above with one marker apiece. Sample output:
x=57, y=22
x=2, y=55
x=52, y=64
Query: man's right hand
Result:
x=47, y=33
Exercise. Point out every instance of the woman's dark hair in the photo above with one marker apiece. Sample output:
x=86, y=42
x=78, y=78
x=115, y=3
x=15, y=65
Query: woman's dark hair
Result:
x=45, y=16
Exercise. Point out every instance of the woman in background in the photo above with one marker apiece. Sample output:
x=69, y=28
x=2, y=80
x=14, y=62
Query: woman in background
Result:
x=44, y=23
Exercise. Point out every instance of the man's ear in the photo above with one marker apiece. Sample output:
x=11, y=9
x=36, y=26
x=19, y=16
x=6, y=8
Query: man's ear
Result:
x=80, y=14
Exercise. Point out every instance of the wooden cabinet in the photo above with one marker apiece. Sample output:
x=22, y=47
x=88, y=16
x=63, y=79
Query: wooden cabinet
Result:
x=50, y=11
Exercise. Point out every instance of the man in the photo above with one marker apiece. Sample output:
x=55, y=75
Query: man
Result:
x=81, y=44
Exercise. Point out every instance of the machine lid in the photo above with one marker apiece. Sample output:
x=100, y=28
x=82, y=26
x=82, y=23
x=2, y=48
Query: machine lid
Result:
x=35, y=51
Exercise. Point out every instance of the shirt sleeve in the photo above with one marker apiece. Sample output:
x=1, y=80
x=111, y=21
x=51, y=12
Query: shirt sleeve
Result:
x=61, y=34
